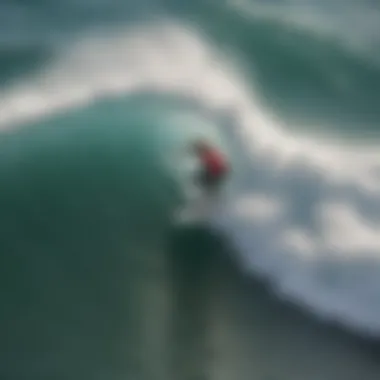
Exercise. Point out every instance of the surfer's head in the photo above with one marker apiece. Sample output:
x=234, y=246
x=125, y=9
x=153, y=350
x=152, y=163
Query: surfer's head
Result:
x=200, y=146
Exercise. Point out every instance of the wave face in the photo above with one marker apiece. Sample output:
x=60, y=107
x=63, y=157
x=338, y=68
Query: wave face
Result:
x=95, y=121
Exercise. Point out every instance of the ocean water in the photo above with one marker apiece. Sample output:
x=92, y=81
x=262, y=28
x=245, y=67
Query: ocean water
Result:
x=98, y=103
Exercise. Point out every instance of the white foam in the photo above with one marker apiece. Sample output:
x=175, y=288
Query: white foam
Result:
x=258, y=208
x=312, y=217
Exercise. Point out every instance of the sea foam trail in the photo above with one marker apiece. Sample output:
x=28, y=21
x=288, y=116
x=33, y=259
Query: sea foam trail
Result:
x=303, y=213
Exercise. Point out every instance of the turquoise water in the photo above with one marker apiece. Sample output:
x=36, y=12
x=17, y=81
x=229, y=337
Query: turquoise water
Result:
x=98, y=101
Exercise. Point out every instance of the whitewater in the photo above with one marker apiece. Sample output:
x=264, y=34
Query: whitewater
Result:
x=302, y=210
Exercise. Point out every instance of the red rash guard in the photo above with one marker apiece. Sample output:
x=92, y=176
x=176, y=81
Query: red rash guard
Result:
x=213, y=161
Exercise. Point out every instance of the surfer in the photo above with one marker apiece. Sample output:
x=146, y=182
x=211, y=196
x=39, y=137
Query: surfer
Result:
x=209, y=179
x=214, y=167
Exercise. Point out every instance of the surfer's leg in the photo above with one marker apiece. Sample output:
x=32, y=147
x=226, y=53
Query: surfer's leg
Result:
x=201, y=178
x=207, y=181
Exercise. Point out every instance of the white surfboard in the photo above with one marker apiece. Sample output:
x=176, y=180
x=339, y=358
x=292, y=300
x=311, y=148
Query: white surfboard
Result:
x=195, y=212
x=188, y=215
